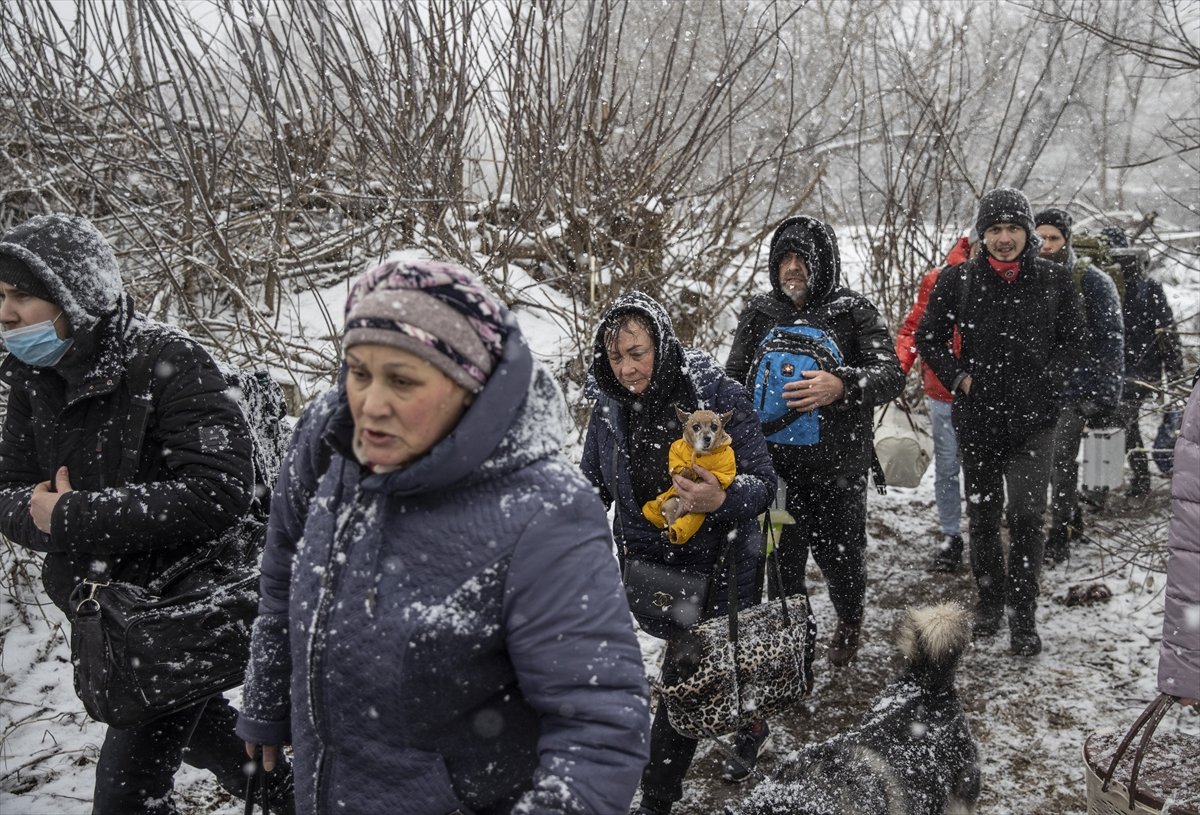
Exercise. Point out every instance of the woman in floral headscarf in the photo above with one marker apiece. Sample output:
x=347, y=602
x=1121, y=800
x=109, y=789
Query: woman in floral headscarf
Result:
x=442, y=626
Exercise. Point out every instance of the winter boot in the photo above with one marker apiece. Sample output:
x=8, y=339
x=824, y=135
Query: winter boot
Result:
x=1023, y=636
x=844, y=644
x=988, y=619
x=948, y=556
x=1057, y=549
x=750, y=742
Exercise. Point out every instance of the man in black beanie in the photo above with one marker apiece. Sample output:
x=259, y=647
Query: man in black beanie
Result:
x=1020, y=320
x=826, y=478
x=1093, y=391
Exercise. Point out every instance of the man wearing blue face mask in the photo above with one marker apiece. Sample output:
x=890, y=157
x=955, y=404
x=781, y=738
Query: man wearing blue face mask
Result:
x=28, y=330
x=67, y=490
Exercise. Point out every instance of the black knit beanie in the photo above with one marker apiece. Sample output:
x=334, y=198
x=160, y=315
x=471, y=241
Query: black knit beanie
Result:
x=16, y=273
x=1060, y=219
x=796, y=238
x=1004, y=206
x=1115, y=236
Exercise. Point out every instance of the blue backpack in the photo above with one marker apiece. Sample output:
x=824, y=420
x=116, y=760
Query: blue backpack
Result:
x=782, y=356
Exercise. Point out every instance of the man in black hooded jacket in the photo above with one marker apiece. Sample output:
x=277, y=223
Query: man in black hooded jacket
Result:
x=72, y=338
x=1022, y=327
x=826, y=481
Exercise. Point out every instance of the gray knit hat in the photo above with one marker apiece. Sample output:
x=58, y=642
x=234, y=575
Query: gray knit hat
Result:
x=438, y=311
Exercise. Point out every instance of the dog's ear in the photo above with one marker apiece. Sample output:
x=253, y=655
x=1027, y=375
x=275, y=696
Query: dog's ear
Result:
x=683, y=417
x=725, y=417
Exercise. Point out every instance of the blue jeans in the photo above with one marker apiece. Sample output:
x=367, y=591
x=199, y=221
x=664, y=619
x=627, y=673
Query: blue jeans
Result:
x=946, y=488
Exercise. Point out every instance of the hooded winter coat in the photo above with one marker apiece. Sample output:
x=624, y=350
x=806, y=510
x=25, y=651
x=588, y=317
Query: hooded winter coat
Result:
x=1020, y=343
x=451, y=635
x=607, y=463
x=193, y=478
x=869, y=372
x=1179, y=653
x=906, y=339
x=1099, y=376
x=1151, y=340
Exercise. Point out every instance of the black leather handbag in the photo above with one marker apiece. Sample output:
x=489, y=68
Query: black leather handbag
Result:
x=657, y=591
x=141, y=652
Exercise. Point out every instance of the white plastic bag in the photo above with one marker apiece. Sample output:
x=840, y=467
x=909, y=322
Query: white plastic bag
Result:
x=903, y=446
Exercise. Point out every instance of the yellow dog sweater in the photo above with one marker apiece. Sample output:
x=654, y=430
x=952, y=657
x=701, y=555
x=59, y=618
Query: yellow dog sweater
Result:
x=719, y=462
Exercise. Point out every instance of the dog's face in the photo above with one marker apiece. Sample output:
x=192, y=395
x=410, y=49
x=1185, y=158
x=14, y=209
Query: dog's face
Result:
x=704, y=430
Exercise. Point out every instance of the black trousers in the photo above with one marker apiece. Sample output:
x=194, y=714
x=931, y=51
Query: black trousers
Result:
x=1025, y=473
x=136, y=771
x=831, y=521
x=671, y=753
x=1139, y=463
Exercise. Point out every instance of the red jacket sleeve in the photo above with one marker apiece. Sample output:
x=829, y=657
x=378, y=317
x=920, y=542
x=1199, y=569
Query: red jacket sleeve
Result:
x=906, y=340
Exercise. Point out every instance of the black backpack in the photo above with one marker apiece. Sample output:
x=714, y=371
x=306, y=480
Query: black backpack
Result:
x=258, y=396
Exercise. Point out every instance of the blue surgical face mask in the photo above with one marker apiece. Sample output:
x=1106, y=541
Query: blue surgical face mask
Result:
x=38, y=345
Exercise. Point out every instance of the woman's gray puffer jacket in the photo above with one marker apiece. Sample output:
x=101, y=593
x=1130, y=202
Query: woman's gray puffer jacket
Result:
x=451, y=636
x=1179, y=653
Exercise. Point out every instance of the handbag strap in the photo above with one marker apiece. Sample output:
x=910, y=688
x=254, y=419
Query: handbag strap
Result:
x=1149, y=718
x=732, y=588
x=138, y=375
x=256, y=782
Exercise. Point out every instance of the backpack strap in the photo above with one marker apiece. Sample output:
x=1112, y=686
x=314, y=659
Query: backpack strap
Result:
x=139, y=380
x=966, y=278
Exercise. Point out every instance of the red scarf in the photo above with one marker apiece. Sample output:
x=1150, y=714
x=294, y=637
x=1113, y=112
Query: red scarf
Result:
x=1005, y=270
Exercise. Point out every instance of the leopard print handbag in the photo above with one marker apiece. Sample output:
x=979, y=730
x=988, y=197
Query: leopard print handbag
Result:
x=750, y=666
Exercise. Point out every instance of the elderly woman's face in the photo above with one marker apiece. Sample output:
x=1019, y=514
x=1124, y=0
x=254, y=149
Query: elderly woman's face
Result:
x=402, y=405
x=631, y=356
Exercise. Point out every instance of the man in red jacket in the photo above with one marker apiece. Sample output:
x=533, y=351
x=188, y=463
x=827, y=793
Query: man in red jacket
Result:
x=947, y=555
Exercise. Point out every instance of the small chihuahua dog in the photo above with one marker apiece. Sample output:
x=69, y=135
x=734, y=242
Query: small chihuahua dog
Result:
x=704, y=443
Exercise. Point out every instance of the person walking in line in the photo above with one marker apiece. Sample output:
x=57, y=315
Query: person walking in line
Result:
x=1021, y=323
x=1093, y=390
x=639, y=375
x=1152, y=351
x=443, y=626
x=947, y=487
x=75, y=343
x=826, y=480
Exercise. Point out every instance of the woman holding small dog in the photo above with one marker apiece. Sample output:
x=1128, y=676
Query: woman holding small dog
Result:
x=442, y=625
x=639, y=377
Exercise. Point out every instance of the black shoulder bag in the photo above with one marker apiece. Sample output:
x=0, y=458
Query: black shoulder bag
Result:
x=141, y=652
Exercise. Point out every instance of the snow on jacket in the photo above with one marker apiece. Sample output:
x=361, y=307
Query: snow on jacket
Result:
x=1020, y=341
x=452, y=635
x=607, y=462
x=1179, y=652
x=906, y=338
x=869, y=372
x=1099, y=376
x=1151, y=341
x=193, y=478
